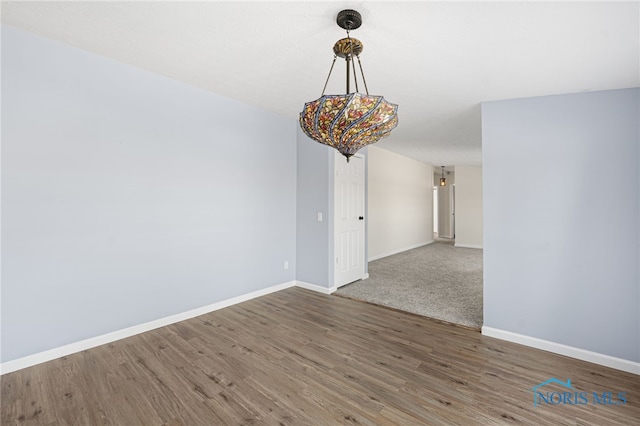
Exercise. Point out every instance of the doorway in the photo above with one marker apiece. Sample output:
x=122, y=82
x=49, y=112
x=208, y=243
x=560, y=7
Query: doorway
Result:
x=436, y=278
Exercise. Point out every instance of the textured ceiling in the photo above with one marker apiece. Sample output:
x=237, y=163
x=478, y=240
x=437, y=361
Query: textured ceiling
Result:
x=437, y=60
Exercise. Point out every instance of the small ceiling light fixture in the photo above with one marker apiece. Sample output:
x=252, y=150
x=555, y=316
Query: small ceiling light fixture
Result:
x=443, y=181
x=351, y=121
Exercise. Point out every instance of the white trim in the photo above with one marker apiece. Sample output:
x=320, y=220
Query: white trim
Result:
x=391, y=253
x=365, y=277
x=51, y=354
x=570, y=351
x=473, y=246
x=315, y=287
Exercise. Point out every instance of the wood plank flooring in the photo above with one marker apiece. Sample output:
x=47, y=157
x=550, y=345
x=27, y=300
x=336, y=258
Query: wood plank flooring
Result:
x=297, y=357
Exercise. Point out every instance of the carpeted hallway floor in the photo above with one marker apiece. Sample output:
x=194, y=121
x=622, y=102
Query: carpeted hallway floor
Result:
x=438, y=281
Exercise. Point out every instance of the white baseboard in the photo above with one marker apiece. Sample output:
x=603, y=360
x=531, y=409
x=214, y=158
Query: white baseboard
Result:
x=570, y=351
x=51, y=354
x=314, y=287
x=473, y=246
x=391, y=253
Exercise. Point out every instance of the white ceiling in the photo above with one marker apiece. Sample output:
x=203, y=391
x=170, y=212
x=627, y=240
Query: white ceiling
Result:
x=437, y=60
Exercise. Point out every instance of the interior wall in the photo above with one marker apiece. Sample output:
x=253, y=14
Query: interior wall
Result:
x=561, y=255
x=468, y=206
x=128, y=196
x=314, y=192
x=400, y=203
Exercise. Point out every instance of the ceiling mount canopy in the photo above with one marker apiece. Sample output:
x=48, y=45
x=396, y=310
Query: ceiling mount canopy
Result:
x=349, y=19
x=350, y=121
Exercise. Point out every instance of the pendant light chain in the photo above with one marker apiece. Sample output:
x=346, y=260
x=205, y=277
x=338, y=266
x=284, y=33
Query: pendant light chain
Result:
x=330, y=69
x=362, y=72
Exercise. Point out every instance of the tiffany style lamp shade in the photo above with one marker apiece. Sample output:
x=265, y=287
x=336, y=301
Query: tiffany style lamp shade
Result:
x=353, y=120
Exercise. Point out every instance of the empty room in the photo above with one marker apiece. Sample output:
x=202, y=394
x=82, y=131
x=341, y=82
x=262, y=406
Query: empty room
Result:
x=190, y=189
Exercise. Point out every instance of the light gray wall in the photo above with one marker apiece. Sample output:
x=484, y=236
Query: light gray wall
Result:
x=561, y=245
x=314, y=190
x=128, y=196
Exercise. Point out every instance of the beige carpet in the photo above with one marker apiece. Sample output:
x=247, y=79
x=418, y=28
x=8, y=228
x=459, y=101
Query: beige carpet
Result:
x=438, y=281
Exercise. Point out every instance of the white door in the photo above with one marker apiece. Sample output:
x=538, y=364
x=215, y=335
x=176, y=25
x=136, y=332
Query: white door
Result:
x=349, y=220
x=445, y=212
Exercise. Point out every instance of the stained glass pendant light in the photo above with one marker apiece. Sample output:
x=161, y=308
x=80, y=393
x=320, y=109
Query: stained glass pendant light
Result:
x=350, y=121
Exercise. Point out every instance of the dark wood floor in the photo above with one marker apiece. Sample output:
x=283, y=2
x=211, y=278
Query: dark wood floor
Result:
x=298, y=357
